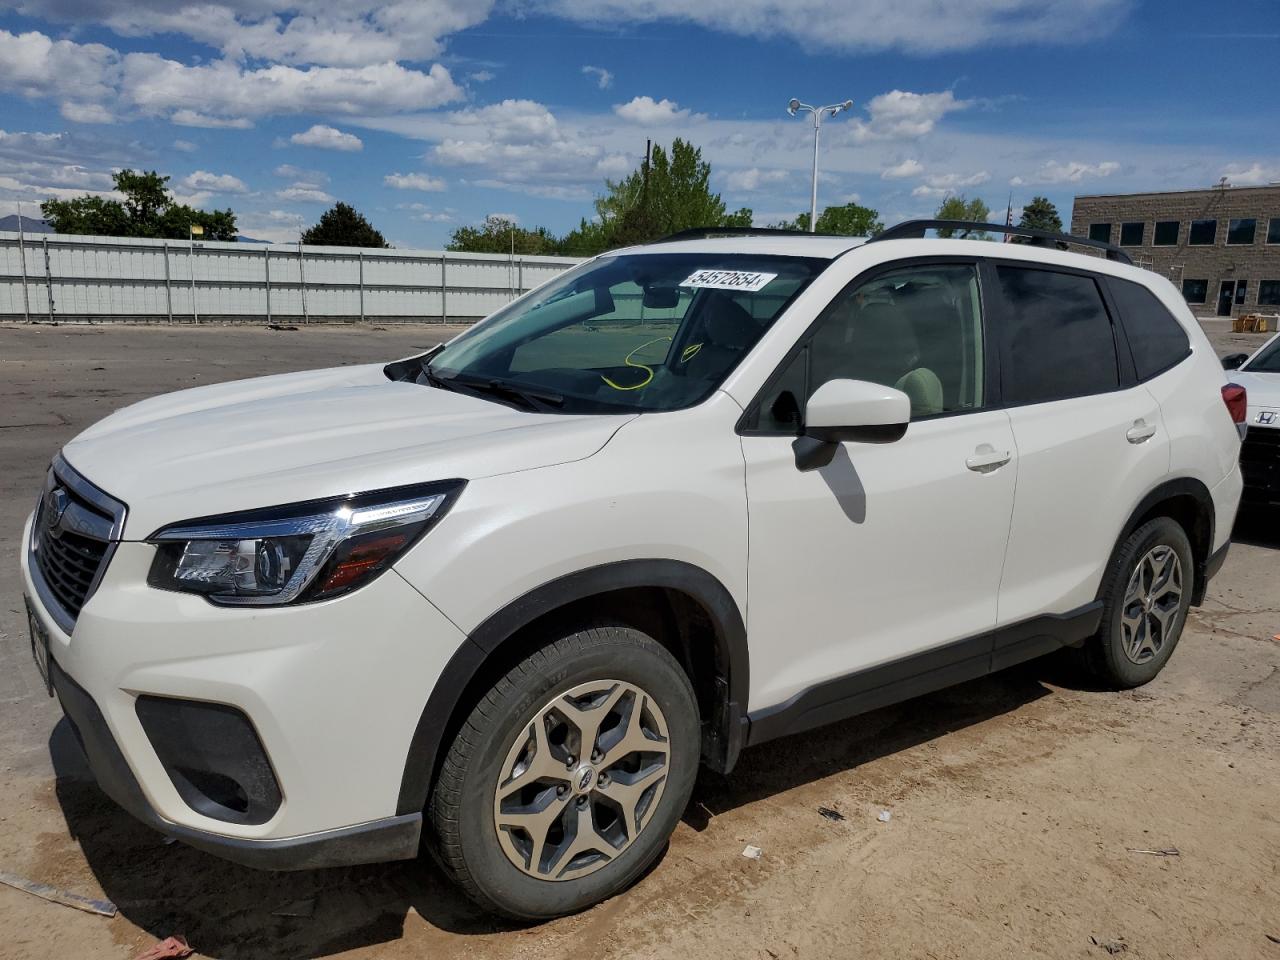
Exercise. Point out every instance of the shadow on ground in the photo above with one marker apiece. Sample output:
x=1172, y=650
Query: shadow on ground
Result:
x=229, y=911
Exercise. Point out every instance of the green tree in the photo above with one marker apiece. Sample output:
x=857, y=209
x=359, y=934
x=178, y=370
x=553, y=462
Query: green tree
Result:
x=342, y=225
x=500, y=235
x=666, y=194
x=956, y=207
x=849, y=220
x=1041, y=214
x=147, y=210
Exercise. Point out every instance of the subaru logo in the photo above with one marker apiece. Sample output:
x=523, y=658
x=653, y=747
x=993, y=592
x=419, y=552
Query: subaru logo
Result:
x=56, y=502
x=1267, y=417
x=584, y=781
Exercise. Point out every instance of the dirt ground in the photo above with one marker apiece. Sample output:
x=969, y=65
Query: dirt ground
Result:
x=1020, y=803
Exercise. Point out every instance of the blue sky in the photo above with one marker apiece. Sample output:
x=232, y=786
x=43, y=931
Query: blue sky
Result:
x=427, y=115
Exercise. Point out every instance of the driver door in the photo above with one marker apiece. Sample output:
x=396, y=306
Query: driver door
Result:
x=882, y=567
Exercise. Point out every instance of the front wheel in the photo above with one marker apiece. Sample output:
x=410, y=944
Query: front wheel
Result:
x=569, y=775
x=1146, y=597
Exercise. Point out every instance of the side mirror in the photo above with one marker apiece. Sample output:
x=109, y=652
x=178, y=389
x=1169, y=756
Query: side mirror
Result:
x=850, y=410
x=1234, y=360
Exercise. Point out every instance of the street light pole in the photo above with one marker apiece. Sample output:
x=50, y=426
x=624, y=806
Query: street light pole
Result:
x=794, y=108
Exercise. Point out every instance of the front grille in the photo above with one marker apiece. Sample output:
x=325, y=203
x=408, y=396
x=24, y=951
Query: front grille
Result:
x=1260, y=463
x=70, y=565
x=74, y=533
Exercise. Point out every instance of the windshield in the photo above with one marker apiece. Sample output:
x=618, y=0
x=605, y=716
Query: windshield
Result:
x=1268, y=360
x=644, y=332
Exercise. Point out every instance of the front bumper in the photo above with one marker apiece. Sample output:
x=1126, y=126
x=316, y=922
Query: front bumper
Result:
x=1260, y=464
x=334, y=691
x=391, y=838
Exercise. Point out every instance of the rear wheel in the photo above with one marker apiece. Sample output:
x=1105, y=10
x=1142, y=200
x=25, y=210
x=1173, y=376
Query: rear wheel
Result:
x=569, y=775
x=1145, y=601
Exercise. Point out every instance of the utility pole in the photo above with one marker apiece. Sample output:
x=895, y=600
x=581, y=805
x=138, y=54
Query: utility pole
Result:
x=795, y=107
x=22, y=256
x=193, y=230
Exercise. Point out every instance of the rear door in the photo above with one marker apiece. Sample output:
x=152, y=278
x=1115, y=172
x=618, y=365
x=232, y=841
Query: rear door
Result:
x=1090, y=440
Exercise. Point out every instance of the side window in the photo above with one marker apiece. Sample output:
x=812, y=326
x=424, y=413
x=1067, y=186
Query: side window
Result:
x=1156, y=339
x=918, y=329
x=1056, y=336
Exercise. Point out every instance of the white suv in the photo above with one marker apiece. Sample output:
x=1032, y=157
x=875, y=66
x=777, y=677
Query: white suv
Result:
x=505, y=596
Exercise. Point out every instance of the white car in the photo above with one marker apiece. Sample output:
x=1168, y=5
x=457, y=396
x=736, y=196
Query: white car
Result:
x=1260, y=456
x=505, y=596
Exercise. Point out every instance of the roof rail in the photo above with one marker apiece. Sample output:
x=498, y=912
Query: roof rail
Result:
x=703, y=233
x=915, y=229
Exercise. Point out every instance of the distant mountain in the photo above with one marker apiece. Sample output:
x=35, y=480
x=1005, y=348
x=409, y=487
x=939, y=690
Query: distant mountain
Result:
x=29, y=224
x=243, y=239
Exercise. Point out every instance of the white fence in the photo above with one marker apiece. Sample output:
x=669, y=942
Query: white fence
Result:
x=52, y=277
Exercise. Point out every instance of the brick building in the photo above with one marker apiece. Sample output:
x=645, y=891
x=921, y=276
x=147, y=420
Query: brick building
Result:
x=1220, y=246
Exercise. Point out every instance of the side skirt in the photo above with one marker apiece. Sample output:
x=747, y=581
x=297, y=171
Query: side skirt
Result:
x=923, y=673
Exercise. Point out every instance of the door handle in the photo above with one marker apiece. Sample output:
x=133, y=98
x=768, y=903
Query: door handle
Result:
x=987, y=458
x=1141, y=431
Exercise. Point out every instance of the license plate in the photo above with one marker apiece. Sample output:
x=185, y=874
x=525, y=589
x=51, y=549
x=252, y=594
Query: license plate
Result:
x=39, y=647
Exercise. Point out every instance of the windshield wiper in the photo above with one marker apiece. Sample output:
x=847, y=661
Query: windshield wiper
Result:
x=535, y=400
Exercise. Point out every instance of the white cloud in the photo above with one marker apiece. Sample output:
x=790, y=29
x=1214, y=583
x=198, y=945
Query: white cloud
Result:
x=902, y=115
x=327, y=138
x=753, y=178
x=86, y=112
x=646, y=110
x=212, y=183
x=901, y=171
x=604, y=79
x=218, y=93
x=413, y=181
x=304, y=193
x=945, y=184
x=193, y=118
x=1255, y=175
x=920, y=26
x=1072, y=172
x=326, y=32
x=186, y=146
x=481, y=76
x=300, y=174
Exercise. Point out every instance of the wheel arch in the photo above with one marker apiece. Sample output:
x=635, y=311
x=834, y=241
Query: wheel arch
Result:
x=1187, y=501
x=690, y=611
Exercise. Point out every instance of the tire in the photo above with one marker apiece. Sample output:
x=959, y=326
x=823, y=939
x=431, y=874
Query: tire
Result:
x=1136, y=636
x=522, y=738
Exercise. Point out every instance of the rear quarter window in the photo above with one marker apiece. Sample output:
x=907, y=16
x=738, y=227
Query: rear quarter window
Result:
x=1156, y=338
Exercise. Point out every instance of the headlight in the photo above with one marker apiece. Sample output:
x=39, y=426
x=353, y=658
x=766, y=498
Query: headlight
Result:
x=308, y=551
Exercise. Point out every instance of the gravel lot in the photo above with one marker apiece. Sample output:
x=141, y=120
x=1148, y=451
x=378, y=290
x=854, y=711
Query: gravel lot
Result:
x=1018, y=801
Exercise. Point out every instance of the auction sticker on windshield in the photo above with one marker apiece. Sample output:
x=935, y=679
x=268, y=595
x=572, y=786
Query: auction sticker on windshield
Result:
x=747, y=280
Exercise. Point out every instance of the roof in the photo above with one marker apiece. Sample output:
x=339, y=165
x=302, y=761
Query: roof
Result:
x=799, y=245
x=1274, y=187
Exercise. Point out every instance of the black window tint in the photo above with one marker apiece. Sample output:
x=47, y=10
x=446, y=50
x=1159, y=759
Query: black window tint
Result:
x=1241, y=231
x=1057, y=337
x=1166, y=233
x=1195, y=291
x=1273, y=230
x=1203, y=233
x=1269, y=293
x=1156, y=339
x=1100, y=231
x=1242, y=291
x=1131, y=234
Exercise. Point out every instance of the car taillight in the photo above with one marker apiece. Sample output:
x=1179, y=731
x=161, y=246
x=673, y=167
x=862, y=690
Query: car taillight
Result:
x=1237, y=400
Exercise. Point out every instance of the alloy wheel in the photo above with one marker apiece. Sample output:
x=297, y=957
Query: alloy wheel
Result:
x=1152, y=601
x=581, y=780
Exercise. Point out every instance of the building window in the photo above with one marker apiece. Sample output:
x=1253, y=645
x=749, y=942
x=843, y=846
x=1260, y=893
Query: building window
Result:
x=1273, y=230
x=1203, y=233
x=1167, y=233
x=1195, y=291
x=1269, y=292
x=1241, y=287
x=1241, y=231
x=1132, y=234
x=1100, y=231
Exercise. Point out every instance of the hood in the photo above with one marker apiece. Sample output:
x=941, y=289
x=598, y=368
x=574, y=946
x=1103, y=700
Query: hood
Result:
x=303, y=436
x=1264, y=397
